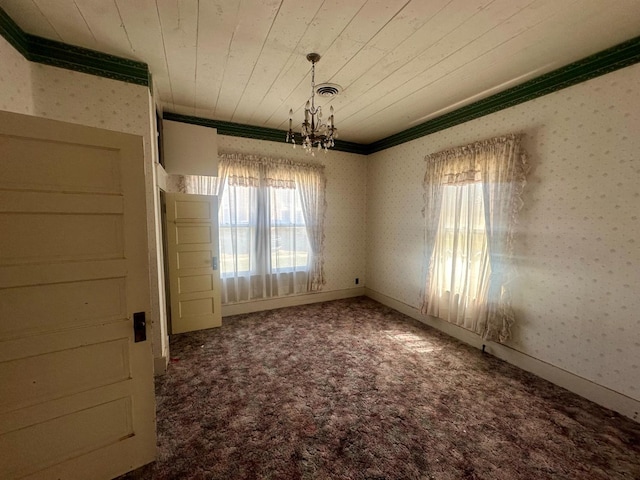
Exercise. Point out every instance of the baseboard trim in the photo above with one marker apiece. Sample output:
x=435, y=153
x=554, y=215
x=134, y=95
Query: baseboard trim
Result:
x=289, y=301
x=160, y=365
x=604, y=396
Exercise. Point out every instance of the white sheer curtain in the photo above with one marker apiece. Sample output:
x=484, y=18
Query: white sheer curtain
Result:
x=311, y=188
x=204, y=185
x=472, y=198
x=460, y=261
x=271, y=225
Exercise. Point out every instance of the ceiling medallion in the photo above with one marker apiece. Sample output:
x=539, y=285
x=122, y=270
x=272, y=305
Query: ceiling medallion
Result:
x=314, y=133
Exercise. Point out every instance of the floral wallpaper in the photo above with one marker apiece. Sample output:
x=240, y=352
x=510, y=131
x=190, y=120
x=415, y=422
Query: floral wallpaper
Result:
x=84, y=99
x=15, y=87
x=346, y=205
x=578, y=244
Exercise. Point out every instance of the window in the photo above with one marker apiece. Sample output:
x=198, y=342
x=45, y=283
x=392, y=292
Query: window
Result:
x=459, y=259
x=473, y=195
x=239, y=223
x=289, y=243
x=237, y=229
x=271, y=219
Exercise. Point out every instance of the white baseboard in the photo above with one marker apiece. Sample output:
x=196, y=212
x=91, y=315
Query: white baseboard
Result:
x=289, y=301
x=604, y=396
x=160, y=365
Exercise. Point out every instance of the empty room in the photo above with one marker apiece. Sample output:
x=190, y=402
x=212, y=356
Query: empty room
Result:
x=284, y=239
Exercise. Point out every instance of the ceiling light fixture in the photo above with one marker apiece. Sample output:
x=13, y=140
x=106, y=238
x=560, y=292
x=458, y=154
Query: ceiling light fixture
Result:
x=314, y=133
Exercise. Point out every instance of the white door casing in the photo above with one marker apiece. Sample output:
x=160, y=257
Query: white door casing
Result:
x=76, y=392
x=194, y=281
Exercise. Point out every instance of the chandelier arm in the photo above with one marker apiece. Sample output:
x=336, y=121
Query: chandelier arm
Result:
x=313, y=132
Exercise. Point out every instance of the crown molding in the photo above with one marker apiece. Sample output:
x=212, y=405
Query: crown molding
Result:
x=606, y=61
x=257, y=133
x=58, y=54
x=13, y=34
x=79, y=59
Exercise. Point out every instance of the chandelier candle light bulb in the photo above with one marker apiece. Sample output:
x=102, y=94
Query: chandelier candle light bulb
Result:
x=313, y=132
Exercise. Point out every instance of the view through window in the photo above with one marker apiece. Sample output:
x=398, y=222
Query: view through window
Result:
x=246, y=210
x=460, y=255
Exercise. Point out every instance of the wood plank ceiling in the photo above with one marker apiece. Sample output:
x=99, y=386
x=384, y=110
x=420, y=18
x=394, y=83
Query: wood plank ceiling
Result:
x=400, y=62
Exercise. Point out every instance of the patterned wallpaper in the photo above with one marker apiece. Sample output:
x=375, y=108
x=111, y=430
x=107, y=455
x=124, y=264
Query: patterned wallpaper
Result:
x=579, y=239
x=346, y=205
x=87, y=100
x=95, y=101
x=578, y=246
x=15, y=87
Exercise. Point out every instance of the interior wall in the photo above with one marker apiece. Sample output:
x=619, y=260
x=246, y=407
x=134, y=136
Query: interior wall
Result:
x=578, y=241
x=74, y=97
x=346, y=205
x=578, y=244
x=15, y=80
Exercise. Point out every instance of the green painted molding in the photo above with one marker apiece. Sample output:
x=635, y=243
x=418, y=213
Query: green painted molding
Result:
x=614, y=58
x=257, y=133
x=13, y=33
x=58, y=54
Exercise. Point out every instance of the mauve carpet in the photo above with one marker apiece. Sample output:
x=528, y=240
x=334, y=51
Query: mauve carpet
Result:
x=351, y=389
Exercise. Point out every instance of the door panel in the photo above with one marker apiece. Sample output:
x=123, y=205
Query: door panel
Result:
x=85, y=430
x=76, y=392
x=192, y=237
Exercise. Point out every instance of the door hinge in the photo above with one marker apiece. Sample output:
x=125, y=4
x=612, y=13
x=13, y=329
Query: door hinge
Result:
x=139, y=327
x=214, y=263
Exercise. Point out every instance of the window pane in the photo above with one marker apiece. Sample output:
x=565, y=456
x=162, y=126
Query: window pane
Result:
x=235, y=206
x=238, y=223
x=289, y=243
x=460, y=253
x=237, y=229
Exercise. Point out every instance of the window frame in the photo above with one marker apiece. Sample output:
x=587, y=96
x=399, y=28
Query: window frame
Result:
x=251, y=225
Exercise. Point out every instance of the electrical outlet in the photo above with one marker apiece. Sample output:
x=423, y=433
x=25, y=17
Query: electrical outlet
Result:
x=357, y=281
x=635, y=415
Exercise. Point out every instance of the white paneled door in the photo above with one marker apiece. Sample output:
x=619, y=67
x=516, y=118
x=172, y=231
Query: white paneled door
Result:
x=192, y=241
x=76, y=390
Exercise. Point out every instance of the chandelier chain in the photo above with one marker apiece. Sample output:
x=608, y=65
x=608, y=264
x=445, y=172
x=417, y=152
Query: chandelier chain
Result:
x=313, y=133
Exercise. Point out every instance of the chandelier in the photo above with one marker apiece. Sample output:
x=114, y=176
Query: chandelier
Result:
x=314, y=133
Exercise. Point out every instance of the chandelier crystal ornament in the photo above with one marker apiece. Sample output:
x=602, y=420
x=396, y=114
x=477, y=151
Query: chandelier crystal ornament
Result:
x=314, y=133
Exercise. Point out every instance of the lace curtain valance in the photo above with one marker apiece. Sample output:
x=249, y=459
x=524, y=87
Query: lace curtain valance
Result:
x=500, y=166
x=264, y=174
x=254, y=171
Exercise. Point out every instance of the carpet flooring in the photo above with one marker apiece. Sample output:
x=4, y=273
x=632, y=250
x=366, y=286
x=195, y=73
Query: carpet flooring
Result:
x=351, y=389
